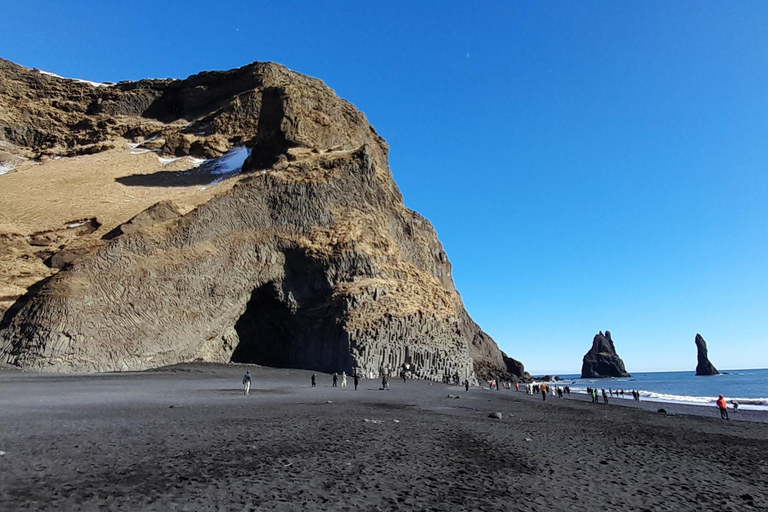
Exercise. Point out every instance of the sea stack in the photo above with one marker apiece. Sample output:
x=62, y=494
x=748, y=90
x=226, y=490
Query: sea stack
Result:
x=602, y=361
x=705, y=367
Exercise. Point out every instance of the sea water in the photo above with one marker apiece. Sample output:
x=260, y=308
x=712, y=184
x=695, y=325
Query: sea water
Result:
x=748, y=387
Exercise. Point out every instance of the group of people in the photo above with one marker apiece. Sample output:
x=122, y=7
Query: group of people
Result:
x=530, y=389
x=355, y=380
x=545, y=389
x=499, y=385
x=595, y=395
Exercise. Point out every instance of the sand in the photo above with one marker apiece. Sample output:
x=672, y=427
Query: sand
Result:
x=188, y=439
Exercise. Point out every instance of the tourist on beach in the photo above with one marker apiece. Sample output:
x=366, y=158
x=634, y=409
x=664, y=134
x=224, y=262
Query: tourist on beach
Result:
x=344, y=380
x=384, y=382
x=605, y=397
x=247, y=379
x=357, y=380
x=723, y=406
x=466, y=384
x=335, y=379
x=314, y=380
x=517, y=386
x=544, y=392
x=735, y=405
x=402, y=374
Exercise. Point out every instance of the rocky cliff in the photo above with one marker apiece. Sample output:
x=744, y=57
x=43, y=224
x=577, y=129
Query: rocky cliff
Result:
x=602, y=360
x=704, y=366
x=308, y=259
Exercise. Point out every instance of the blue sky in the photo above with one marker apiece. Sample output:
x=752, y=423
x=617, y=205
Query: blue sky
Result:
x=587, y=166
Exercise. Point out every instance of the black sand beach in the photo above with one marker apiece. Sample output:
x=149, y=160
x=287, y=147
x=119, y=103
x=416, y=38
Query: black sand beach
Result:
x=187, y=439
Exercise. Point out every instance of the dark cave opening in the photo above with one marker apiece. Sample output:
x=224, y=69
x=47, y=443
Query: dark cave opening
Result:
x=294, y=323
x=264, y=330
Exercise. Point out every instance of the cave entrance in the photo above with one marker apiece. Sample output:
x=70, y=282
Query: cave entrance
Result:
x=265, y=336
x=294, y=323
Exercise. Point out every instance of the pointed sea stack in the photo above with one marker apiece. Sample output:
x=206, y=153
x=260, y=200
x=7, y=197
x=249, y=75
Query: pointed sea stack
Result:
x=705, y=367
x=602, y=360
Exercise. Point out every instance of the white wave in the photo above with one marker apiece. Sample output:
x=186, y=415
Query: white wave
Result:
x=651, y=396
x=141, y=151
x=77, y=224
x=197, y=162
x=165, y=161
x=94, y=84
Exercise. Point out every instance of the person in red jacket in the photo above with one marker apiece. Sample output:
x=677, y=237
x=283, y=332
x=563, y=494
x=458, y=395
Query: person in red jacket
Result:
x=723, y=406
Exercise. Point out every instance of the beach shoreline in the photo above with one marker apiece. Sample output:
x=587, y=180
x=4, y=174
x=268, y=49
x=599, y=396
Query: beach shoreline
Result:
x=187, y=438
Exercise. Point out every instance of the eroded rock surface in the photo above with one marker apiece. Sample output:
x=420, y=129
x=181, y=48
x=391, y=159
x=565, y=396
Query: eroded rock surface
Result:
x=309, y=261
x=704, y=366
x=602, y=360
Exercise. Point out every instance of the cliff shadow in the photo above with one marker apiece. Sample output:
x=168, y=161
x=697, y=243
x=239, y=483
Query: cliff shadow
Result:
x=293, y=323
x=199, y=176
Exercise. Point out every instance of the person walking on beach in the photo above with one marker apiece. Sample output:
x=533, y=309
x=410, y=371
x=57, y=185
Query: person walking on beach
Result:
x=735, y=406
x=344, y=380
x=544, y=392
x=357, y=380
x=466, y=384
x=335, y=379
x=723, y=406
x=247, y=380
x=605, y=397
x=385, y=382
x=314, y=380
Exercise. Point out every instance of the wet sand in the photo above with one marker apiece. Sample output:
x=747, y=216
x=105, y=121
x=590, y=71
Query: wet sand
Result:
x=187, y=439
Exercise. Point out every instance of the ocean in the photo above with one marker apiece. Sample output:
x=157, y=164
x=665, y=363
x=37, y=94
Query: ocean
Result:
x=748, y=387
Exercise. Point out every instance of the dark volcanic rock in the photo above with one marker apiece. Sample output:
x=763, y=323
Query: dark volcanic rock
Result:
x=310, y=261
x=704, y=366
x=602, y=359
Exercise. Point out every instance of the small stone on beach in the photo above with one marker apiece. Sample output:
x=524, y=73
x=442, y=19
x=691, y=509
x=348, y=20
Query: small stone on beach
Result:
x=495, y=415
